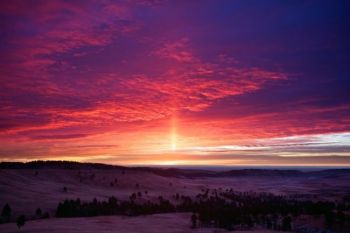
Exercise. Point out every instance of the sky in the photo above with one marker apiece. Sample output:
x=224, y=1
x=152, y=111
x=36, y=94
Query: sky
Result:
x=175, y=82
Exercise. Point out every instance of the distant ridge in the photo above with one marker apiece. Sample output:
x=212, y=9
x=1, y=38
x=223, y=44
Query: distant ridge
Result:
x=172, y=172
x=39, y=164
x=262, y=172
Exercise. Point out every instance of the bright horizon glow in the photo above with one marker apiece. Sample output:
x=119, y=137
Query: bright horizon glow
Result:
x=284, y=148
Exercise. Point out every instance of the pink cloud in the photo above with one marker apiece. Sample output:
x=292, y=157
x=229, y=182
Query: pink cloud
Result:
x=176, y=50
x=133, y=98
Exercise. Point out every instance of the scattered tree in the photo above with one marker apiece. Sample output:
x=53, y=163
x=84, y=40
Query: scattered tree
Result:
x=329, y=219
x=194, y=220
x=6, y=212
x=38, y=212
x=21, y=220
x=286, y=223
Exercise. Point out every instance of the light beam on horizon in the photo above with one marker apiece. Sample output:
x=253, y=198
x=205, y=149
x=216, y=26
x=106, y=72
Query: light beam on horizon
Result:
x=173, y=134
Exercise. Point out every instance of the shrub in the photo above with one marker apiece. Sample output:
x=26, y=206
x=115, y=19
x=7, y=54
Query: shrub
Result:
x=45, y=216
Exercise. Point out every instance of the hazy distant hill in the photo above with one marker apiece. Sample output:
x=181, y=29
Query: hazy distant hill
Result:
x=171, y=172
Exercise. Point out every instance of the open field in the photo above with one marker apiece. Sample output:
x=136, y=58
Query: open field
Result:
x=43, y=188
x=28, y=189
x=165, y=223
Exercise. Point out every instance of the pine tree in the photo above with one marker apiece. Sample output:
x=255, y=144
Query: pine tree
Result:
x=6, y=212
x=38, y=212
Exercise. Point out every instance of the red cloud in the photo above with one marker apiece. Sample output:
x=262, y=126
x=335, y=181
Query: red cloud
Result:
x=55, y=27
x=176, y=50
x=193, y=87
x=50, y=91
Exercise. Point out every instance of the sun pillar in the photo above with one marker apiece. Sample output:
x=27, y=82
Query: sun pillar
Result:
x=173, y=136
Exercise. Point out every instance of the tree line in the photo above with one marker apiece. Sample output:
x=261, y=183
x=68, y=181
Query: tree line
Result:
x=220, y=208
